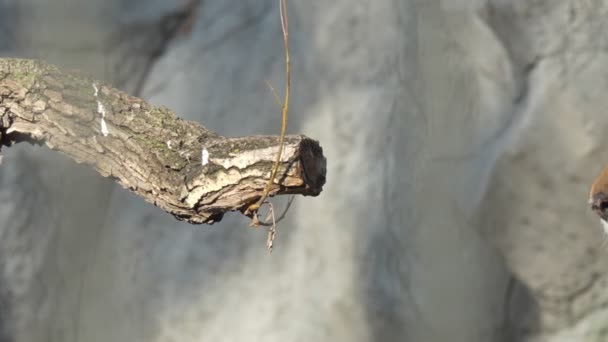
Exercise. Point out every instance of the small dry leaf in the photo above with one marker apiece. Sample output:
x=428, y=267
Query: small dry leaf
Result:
x=270, y=239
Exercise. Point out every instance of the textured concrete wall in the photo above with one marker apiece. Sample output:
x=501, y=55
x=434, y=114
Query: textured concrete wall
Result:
x=536, y=207
x=421, y=107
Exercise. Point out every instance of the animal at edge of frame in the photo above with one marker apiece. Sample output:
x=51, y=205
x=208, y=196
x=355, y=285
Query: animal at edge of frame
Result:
x=598, y=198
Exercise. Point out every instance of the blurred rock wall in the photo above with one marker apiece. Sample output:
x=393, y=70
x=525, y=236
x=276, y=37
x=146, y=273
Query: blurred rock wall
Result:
x=461, y=137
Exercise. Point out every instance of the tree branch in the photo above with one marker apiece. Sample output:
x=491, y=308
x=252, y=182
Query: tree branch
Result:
x=177, y=165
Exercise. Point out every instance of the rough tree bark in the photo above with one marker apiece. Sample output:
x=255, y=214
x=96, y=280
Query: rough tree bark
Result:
x=177, y=165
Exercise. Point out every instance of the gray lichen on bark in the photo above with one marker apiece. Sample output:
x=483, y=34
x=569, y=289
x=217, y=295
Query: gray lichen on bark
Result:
x=148, y=149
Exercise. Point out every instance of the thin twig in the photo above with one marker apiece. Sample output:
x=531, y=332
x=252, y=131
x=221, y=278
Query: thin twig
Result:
x=289, y=202
x=272, y=231
x=285, y=112
x=274, y=93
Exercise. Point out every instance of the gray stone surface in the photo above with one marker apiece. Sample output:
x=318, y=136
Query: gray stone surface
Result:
x=461, y=137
